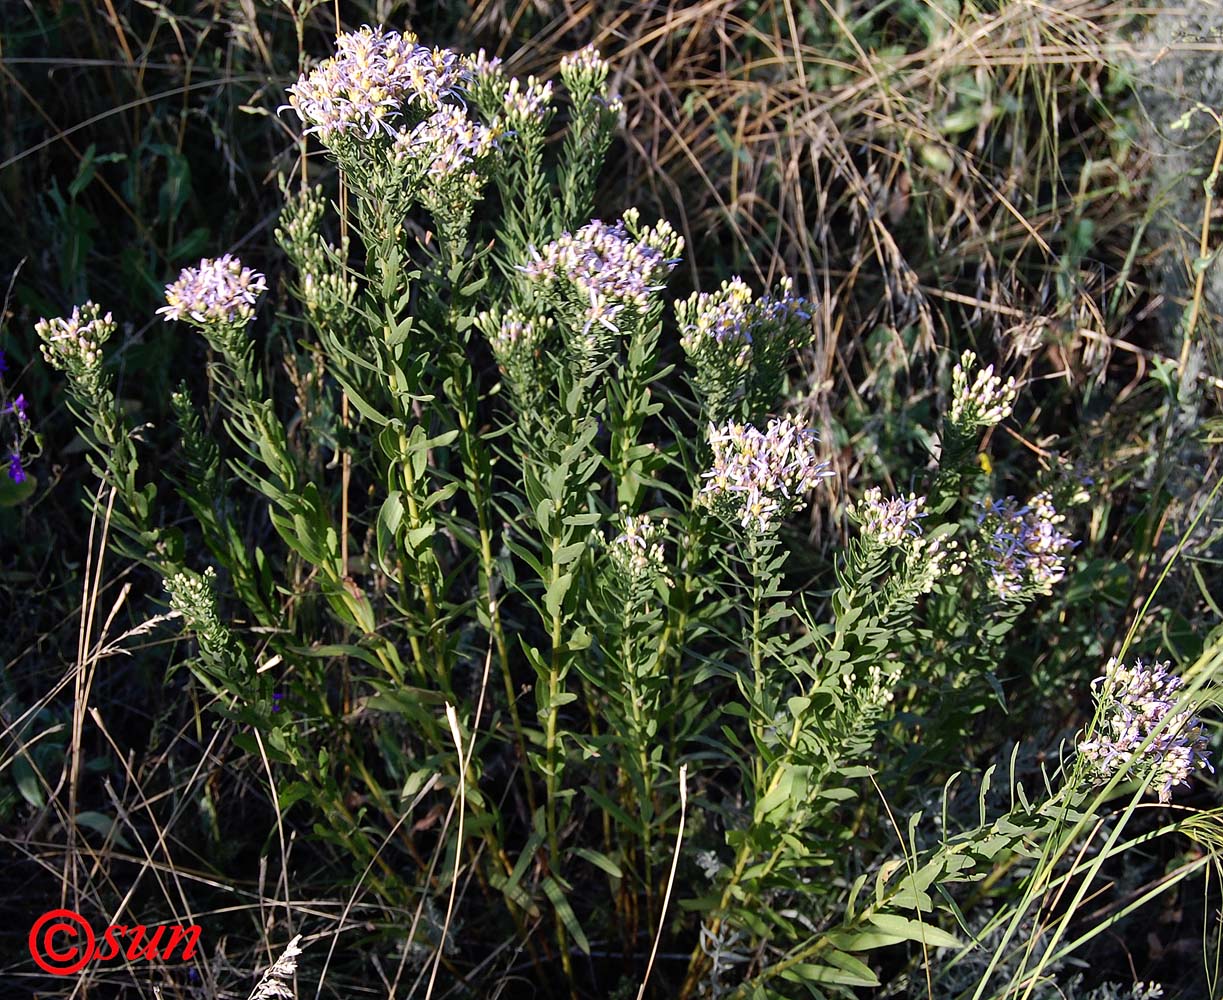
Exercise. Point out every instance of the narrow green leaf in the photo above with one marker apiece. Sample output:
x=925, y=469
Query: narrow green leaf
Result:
x=566, y=914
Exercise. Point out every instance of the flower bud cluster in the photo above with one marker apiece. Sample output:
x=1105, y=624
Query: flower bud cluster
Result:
x=1137, y=706
x=604, y=271
x=74, y=344
x=374, y=78
x=928, y=560
x=875, y=687
x=194, y=597
x=760, y=477
x=1025, y=547
x=327, y=295
x=517, y=343
x=637, y=554
x=891, y=522
x=513, y=335
x=527, y=105
x=325, y=288
x=217, y=293
x=987, y=401
x=584, y=73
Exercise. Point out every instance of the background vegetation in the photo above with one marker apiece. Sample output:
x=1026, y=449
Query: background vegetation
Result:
x=1015, y=177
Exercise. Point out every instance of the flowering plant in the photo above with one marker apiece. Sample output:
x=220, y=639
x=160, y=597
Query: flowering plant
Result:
x=517, y=565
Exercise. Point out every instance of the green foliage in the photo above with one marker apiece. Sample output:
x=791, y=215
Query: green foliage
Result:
x=485, y=463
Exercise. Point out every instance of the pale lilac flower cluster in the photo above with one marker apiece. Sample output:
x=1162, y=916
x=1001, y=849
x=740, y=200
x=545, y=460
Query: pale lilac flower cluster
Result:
x=732, y=316
x=74, y=344
x=760, y=477
x=1025, y=545
x=637, y=553
x=1138, y=705
x=888, y=522
x=218, y=292
x=445, y=144
x=608, y=269
x=371, y=80
x=983, y=403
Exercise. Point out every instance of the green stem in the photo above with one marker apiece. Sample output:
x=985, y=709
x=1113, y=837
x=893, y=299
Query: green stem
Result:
x=551, y=783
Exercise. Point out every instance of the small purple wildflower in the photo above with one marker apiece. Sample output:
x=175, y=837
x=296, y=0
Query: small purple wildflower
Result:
x=1137, y=705
x=15, y=472
x=18, y=406
x=1025, y=545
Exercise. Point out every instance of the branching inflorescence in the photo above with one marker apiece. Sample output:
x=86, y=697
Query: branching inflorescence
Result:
x=1143, y=726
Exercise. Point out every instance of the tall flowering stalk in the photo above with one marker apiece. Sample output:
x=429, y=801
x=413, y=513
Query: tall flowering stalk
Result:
x=73, y=345
x=595, y=114
x=980, y=400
